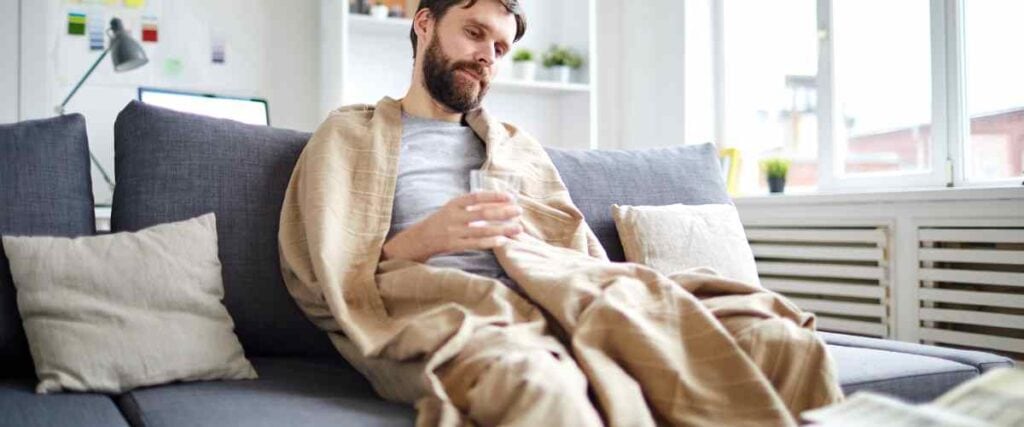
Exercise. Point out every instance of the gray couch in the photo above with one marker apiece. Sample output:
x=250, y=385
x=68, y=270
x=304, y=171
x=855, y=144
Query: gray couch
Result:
x=171, y=166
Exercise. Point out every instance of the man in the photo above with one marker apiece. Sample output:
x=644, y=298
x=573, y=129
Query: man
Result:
x=380, y=247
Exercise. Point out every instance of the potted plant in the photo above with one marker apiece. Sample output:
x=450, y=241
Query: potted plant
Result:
x=523, y=65
x=562, y=60
x=776, y=169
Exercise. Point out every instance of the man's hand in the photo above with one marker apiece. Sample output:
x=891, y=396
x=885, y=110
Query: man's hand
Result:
x=457, y=227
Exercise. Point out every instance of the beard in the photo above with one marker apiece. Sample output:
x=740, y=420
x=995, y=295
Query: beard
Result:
x=458, y=94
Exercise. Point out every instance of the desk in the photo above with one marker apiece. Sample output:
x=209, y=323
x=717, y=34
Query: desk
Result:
x=102, y=218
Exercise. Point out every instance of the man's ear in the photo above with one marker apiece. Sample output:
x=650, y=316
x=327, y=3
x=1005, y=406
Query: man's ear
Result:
x=423, y=23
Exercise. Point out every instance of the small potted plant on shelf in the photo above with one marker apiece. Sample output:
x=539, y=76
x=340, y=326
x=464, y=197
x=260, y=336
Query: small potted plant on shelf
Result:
x=562, y=61
x=776, y=169
x=523, y=65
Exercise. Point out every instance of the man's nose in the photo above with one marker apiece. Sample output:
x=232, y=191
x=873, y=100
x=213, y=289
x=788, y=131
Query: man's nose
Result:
x=486, y=56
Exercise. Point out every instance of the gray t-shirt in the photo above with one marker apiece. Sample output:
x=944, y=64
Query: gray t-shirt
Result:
x=433, y=168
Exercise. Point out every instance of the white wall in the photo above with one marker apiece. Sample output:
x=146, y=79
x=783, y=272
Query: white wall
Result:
x=272, y=52
x=641, y=74
x=9, y=61
x=292, y=83
x=609, y=79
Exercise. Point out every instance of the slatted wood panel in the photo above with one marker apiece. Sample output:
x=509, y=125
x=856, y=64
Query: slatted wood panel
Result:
x=839, y=273
x=971, y=288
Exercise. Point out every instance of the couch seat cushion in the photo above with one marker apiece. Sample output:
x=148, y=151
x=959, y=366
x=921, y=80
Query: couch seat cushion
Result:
x=911, y=377
x=20, y=406
x=980, y=360
x=290, y=391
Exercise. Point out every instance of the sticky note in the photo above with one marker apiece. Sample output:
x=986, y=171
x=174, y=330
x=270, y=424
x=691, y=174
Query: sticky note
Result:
x=218, y=51
x=173, y=66
x=76, y=24
x=95, y=26
x=96, y=40
x=150, y=30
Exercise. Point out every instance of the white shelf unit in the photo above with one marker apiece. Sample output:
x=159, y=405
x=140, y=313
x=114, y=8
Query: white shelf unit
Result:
x=390, y=27
x=366, y=58
x=539, y=87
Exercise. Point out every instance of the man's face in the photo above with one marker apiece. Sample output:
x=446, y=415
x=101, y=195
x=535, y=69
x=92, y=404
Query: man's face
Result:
x=460, y=59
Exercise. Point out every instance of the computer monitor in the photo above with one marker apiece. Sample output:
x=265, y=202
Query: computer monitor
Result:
x=246, y=110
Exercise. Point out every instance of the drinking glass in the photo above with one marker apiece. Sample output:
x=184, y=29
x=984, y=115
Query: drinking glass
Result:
x=486, y=180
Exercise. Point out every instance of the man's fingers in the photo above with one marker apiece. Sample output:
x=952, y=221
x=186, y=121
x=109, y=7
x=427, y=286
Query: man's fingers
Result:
x=477, y=232
x=478, y=197
x=482, y=243
x=513, y=231
x=492, y=212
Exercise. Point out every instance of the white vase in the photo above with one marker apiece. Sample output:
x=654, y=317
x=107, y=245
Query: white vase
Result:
x=562, y=73
x=525, y=70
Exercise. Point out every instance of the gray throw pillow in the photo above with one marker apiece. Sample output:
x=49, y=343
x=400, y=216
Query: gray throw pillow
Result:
x=113, y=312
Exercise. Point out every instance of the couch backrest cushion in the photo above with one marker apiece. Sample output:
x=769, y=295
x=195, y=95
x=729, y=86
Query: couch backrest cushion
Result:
x=45, y=189
x=597, y=179
x=171, y=166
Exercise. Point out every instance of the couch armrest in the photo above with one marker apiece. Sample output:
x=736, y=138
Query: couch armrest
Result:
x=979, y=359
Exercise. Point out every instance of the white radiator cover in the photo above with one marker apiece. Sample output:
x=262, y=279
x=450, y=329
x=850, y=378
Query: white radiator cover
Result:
x=839, y=273
x=971, y=287
x=943, y=267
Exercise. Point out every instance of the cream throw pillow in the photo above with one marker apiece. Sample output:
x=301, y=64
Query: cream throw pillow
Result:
x=674, y=238
x=113, y=312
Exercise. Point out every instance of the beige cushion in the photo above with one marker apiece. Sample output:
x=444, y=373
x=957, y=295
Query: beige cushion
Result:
x=113, y=312
x=674, y=238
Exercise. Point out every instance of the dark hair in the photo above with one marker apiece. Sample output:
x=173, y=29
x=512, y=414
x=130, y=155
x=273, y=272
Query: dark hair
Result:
x=438, y=8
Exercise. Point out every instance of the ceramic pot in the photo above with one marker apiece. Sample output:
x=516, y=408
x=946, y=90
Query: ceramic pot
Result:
x=525, y=70
x=562, y=73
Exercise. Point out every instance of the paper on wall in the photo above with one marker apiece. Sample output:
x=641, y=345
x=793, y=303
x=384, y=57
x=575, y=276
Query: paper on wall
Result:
x=97, y=29
x=76, y=23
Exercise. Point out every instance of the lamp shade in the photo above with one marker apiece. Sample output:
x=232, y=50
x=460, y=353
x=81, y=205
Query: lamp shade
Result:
x=125, y=52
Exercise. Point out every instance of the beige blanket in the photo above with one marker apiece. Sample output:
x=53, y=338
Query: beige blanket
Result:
x=596, y=342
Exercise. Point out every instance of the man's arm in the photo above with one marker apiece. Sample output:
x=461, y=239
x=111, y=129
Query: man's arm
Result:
x=454, y=227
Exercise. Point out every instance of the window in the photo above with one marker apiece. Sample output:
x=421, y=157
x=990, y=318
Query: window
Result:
x=770, y=64
x=882, y=89
x=870, y=93
x=994, y=149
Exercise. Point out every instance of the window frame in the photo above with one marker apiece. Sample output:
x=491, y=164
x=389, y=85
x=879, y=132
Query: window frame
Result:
x=959, y=117
x=830, y=159
x=950, y=127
